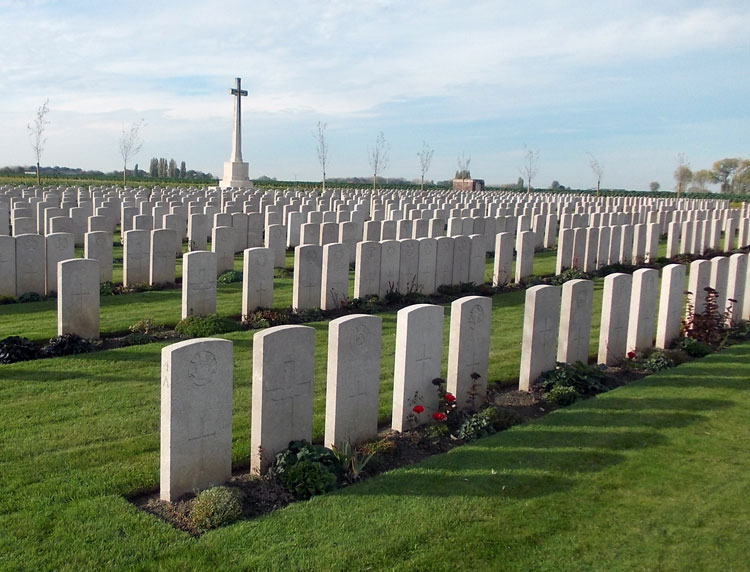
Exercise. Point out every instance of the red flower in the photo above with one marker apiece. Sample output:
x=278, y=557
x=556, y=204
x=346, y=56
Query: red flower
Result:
x=450, y=397
x=438, y=416
x=418, y=409
x=631, y=355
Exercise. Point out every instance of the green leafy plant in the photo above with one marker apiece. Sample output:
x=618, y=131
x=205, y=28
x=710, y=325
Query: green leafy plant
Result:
x=15, y=348
x=695, y=348
x=308, y=478
x=7, y=300
x=107, y=289
x=475, y=426
x=67, y=344
x=569, y=274
x=500, y=417
x=582, y=379
x=562, y=395
x=353, y=460
x=657, y=360
x=205, y=326
x=305, y=469
x=216, y=507
x=229, y=276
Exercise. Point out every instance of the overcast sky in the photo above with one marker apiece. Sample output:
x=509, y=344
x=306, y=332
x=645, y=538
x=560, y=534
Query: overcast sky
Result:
x=632, y=82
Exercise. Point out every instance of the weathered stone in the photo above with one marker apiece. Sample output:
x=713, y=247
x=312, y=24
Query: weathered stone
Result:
x=30, y=264
x=642, y=309
x=419, y=346
x=670, y=305
x=282, y=400
x=78, y=297
x=136, y=257
x=524, y=255
x=613, y=332
x=367, y=269
x=540, y=327
x=58, y=246
x=8, y=266
x=196, y=416
x=257, y=279
x=469, y=350
x=198, y=283
x=163, y=259
x=306, y=287
x=427, y=266
x=575, y=321
x=353, y=380
x=334, y=276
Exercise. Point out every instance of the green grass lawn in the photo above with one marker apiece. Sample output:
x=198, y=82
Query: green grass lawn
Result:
x=652, y=476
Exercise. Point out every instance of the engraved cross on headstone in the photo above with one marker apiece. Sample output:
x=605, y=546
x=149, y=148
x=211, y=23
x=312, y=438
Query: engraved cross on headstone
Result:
x=237, y=92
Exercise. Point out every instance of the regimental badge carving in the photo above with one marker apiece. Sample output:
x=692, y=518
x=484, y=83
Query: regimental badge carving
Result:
x=202, y=370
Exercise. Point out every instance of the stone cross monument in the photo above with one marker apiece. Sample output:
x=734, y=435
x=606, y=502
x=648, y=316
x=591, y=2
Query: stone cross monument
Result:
x=236, y=171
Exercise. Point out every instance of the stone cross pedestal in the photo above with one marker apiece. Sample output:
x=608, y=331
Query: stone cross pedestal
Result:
x=236, y=171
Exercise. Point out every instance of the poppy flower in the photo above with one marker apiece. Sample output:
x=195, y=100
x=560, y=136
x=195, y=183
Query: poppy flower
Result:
x=450, y=397
x=418, y=409
x=438, y=416
x=631, y=355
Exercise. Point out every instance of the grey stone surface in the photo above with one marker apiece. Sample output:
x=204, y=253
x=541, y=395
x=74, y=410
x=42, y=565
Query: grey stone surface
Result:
x=419, y=346
x=257, y=279
x=541, y=322
x=575, y=321
x=642, y=309
x=30, y=264
x=469, y=350
x=196, y=416
x=58, y=246
x=353, y=380
x=78, y=297
x=613, y=331
x=198, y=283
x=136, y=257
x=671, y=298
x=282, y=400
x=306, y=283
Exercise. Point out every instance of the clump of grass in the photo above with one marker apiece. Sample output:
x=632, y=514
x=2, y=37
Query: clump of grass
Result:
x=215, y=507
x=205, y=326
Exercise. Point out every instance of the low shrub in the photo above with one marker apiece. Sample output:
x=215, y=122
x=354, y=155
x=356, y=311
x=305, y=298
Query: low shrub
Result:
x=30, y=297
x=230, y=276
x=216, y=507
x=501, y=418
x=205, y=326
x=15, y=348
x=144, y=326
x=562, y=395
x=585, y=379
x=657, y=360
x=66, y=345
x=569, y=274
x=305, y=469
x=138, y=339
x=107, y=289
x=8, y=300
x=695, y=348
x=475, y=426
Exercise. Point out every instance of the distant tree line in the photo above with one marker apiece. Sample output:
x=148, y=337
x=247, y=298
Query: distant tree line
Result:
x=731, y=174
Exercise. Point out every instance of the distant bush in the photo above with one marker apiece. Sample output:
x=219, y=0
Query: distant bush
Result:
x=30, y=297
x=8, y=300
x=229, y=277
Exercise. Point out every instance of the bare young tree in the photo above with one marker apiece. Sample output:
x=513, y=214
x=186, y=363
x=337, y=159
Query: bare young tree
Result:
x=36, y=133
x=378, y=156
x=130, y=143
x=463, y=169
x=598, y=171
x=322, y=148
x=530, y=165
x=425, y=159
x=682, y=174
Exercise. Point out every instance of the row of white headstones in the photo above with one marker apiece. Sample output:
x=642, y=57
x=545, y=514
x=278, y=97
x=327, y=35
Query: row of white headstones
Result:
x=196, y=410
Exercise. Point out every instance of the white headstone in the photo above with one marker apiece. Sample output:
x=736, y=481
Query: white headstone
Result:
x=575, y=321
x=30, y=264
x=335, y=276
x=419, y=346
x=469, y=349
x=196, y=416
x=136, y=257
x=541, y=322
x=78, y=297
x=58, y=246
x=613, y=332
x=282, y=400
x=642, y=309
x=198, y=283
x=671, y=298
x=353, y=380
x=308, y=264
